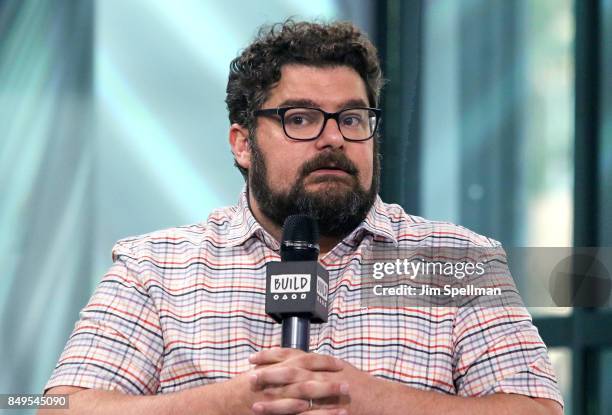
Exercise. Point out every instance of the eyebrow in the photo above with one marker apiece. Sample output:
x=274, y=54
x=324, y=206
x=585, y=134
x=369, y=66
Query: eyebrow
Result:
x=351, y=103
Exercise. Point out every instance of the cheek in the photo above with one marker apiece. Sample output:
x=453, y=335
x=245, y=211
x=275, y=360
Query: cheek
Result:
x=366, y=168
x=282, y=169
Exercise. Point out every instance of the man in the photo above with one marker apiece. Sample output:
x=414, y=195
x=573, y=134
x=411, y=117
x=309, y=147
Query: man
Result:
x=178, y=324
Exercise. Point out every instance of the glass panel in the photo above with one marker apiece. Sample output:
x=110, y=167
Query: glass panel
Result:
x=497, y=149
x=548, y=122
x=606, y=127
x=548, y=125
x=561, y=358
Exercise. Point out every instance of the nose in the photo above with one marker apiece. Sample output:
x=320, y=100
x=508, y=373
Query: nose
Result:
x=330, y=136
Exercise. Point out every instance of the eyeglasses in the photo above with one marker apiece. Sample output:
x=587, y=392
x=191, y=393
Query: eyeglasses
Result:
x=303, y=123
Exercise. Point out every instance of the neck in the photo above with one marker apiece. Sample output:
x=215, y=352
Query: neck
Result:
x=325, y=243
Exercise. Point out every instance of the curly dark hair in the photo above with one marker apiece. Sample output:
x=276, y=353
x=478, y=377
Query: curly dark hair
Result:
x=255, y=71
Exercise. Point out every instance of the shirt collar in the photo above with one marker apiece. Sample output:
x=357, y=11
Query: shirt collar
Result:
x=243, y=225
x=377, y=222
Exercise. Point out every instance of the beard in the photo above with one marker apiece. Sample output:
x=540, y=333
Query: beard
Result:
x=339, y=206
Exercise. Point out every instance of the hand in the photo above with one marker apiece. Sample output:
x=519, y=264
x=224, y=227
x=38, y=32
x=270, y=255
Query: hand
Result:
x=289, y=379
x=261, y=391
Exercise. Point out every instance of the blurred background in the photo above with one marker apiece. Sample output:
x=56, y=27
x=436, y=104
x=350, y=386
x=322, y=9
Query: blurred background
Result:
x=497, y=116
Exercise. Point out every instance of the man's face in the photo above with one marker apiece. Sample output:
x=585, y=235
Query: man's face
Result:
x=333, y=180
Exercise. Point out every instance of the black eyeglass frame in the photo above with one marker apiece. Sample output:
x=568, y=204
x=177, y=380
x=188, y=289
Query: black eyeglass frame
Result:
x=280, y=112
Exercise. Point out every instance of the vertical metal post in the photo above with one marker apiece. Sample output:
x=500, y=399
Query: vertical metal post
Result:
x=585, y=398
x=399, y=43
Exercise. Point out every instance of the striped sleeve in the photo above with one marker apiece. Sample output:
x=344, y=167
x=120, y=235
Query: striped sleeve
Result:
x=117, y=342
x=499, y=350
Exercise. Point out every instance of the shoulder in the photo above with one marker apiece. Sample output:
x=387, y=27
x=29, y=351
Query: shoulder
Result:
x=183, y=238
x=412, y=230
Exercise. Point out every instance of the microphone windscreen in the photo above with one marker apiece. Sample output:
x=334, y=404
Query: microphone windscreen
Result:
x=301, y=228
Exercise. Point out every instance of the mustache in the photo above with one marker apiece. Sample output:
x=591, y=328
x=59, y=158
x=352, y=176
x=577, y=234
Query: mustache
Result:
x=329, y=160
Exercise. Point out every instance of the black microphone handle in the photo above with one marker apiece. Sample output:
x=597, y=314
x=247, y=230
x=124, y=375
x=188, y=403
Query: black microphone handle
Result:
x=296, y=333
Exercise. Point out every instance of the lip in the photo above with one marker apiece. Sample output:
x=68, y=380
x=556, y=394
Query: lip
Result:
x=333, y=172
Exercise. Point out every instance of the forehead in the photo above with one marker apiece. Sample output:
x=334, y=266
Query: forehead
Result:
x=328, y=87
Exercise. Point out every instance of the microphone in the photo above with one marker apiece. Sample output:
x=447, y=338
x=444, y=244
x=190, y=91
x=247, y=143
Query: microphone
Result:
x=297, y=287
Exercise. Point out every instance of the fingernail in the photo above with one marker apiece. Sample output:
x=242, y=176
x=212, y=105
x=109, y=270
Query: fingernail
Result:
x=253, y=379
x=344, y=388
x=258, y=408
x=342, y=412
x=252, y=357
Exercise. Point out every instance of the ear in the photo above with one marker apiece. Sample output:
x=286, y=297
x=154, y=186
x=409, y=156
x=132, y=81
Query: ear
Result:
x=239, y=141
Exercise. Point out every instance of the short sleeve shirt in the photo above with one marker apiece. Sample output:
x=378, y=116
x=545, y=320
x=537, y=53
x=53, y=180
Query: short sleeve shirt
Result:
x=184, y=307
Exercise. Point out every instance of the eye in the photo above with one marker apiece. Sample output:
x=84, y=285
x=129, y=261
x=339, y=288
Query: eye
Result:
x=301, y=118
x=295, y=119
x=352, y=120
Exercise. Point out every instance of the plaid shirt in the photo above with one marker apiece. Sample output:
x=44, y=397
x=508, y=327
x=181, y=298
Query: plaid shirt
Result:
x=184, y=307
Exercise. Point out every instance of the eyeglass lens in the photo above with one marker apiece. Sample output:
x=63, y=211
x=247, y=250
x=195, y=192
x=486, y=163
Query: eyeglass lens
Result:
x=308, y=123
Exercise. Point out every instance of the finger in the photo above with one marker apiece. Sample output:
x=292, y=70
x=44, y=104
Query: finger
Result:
x=320, y=362
x=276, y=376
x=275, y=355
x=308, y=390
x=280, y=407
x=318, y=390
x=310, y=361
